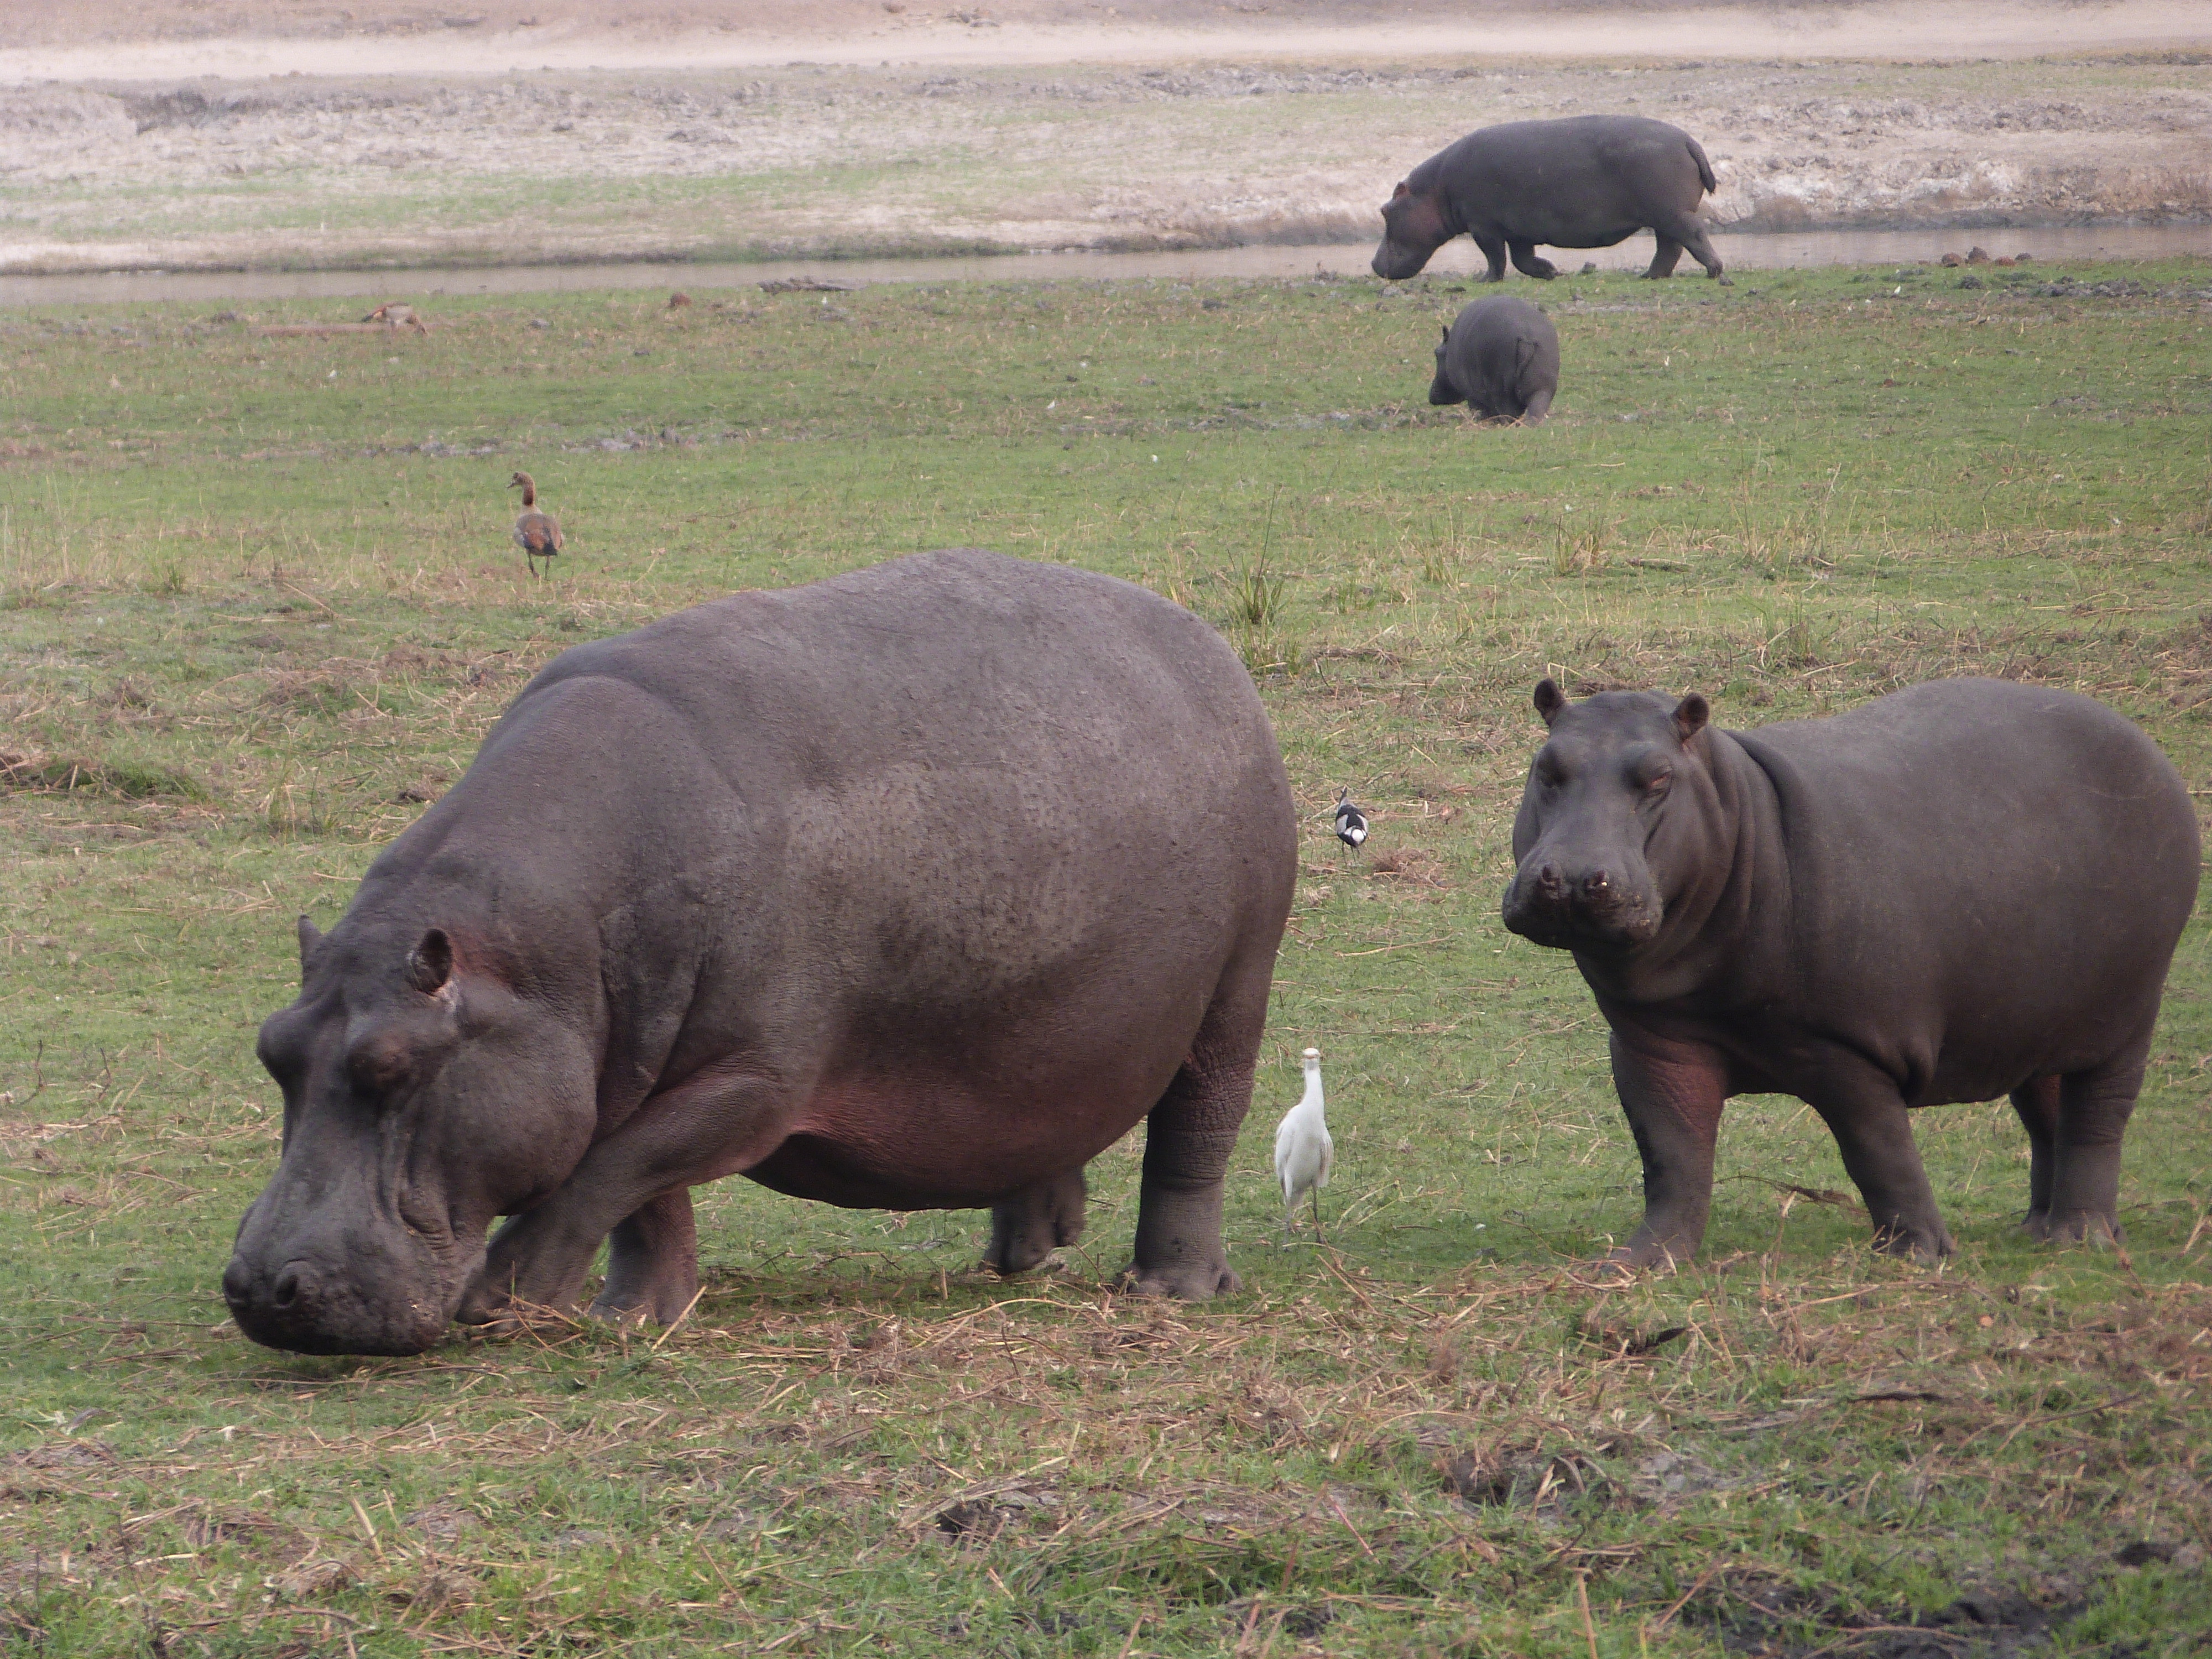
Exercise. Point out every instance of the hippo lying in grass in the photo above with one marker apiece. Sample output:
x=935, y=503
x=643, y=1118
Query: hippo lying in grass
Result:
x=1970, y=889
x=1501, y=358
x=915, y=888
x=1586, y=181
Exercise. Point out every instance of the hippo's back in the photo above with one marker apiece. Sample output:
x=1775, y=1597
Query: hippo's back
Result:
x=953, y=787
x=1992, y=854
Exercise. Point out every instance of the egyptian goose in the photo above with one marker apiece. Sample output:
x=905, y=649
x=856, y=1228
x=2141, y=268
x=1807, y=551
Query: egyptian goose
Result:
x=538, y=534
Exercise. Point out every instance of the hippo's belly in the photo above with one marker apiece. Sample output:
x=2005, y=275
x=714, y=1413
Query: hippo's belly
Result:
x=898, y=1143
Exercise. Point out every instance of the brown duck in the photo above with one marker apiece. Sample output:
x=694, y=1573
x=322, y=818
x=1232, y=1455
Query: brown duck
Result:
x=538, y=534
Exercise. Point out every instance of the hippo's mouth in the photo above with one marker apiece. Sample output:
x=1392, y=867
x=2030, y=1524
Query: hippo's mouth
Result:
x=1564, y=923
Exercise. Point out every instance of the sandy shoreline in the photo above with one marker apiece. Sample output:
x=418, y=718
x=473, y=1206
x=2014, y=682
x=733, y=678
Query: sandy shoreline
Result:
x=893, y=36
x=906, y=134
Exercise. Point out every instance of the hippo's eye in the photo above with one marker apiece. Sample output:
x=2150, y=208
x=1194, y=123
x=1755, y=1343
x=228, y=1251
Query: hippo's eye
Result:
x=1658, y=783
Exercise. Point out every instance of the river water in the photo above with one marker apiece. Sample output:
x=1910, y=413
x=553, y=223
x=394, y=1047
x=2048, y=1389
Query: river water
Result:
x=1772, y=251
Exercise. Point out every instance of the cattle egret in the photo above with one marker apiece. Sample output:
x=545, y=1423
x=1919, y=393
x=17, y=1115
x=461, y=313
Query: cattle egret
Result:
x=538, y=534
x=1350, y=821
x=1303, y=1151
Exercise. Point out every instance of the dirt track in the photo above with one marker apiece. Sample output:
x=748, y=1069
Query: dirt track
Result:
x=1044, y=125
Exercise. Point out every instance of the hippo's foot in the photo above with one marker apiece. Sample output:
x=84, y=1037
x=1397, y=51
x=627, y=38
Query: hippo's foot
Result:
x=2075, y=1227
x=1926, y=1243
x=1029, y=1226
x=652, y=1263
x=1187, y=1281
x=1723, y=278
x=1659, y=1255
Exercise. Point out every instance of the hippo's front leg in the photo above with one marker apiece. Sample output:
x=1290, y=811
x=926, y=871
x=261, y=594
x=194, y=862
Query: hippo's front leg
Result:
x=635, y=1185
x=1493, y=249
x=1874, y=1132
x=1032, y=1224
x=652, y=1261
x=2037, y=1102
x=1673, y=1093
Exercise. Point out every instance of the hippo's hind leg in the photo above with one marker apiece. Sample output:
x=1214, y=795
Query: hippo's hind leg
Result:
x=1528, y=263
x=1030, y=1225
x=2037, y=1102
x=1664, y=253
x=652, y=1263
x=2094, y=1108
x=1188, y=1136
x=1685, y=231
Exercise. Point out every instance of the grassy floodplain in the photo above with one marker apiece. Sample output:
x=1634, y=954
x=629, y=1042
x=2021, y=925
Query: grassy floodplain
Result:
x=256, y=605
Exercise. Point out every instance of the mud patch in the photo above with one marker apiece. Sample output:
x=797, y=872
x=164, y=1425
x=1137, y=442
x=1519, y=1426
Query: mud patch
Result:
x=1767, y=1616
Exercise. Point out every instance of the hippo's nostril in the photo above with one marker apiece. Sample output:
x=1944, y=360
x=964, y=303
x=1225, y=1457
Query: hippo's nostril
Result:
x=286, y=1292
x=237, y=1282
x=1596, y=881
x=1548, y=879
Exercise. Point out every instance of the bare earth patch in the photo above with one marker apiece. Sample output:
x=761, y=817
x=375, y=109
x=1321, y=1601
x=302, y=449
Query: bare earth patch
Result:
x=137, y=135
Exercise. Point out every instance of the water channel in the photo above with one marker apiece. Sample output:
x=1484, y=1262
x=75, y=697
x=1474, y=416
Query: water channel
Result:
x=1773, y=251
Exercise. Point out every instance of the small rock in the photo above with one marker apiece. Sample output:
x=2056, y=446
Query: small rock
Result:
x=678, y=300
x=1590, y=267
x=1950, y=259
x=2002, y=261
x=2187, y=1558
x=441, y=1589
x=2022, y=259
x=1978, y=256
x=540, y=322
x=2144, y=1551
x=316, y=1576
x=1972, y=280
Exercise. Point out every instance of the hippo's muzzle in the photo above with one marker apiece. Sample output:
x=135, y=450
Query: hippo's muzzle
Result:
x=1551, y=904
x=313, y=1288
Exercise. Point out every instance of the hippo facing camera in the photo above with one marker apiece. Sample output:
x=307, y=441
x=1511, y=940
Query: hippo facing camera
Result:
x=1969, y=889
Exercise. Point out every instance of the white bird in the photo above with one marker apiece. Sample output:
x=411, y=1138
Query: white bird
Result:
x=1303, y=1151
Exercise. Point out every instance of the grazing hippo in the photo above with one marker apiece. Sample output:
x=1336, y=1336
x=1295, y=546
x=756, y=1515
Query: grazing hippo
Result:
x=1588, y=181
x=915, y=888
x=1969, y=889
x=1501, y=358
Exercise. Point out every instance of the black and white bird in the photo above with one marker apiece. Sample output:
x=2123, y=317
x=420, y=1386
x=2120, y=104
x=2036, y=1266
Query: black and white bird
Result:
x=1303, y=1151
x=1350, y=821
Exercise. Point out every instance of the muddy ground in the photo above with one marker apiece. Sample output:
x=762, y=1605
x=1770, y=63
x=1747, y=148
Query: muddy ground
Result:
x=1026, y=127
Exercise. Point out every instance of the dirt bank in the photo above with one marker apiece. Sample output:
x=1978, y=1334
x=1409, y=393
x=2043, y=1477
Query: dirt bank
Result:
x=1233, y=141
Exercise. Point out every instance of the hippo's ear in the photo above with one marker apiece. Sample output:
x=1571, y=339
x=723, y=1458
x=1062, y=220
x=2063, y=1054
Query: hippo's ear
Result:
x=430, y=964
x=1550, y=700
x=1447, y=328
x=310, y=937
x=1691, y=715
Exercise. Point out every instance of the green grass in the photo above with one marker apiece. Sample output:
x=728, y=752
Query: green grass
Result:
x=253, y=615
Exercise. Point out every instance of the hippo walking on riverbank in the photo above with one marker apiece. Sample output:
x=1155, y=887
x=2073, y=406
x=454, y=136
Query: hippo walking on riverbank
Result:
x=914, y=888
x=1587, y=181
x=1501, y=358
x=1969, y=889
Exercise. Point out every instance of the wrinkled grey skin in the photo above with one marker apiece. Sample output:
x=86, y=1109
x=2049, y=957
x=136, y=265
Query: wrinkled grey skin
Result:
x=1966, y=890
x=914, y=888
x=1501, y=358
x=1586, y=181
